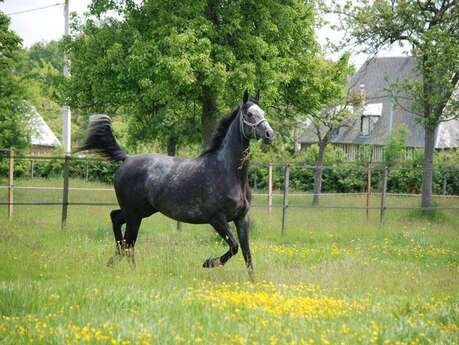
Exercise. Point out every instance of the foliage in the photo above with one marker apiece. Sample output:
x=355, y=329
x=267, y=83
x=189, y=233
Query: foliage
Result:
x=37, y=69
x=395, y=145
x=13, y=109
x=174, y=69
x=330, y=109
x=430, y=29
x=319, y=94
x=338, y=176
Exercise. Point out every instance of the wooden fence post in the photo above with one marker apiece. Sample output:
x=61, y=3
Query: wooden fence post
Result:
x=368, y=190
x=445, y=178
x=65, y=195
x=11, y=185
x=270, y=187
x=86, y=175
x=32, y=168
x=285, y=204
x=383, y=197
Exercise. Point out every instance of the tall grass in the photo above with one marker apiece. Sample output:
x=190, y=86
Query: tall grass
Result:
x=331, y=278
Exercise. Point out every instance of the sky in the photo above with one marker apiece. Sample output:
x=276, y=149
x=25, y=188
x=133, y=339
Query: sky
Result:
x=48, y=24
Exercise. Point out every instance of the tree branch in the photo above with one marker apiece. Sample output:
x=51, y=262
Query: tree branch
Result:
x=439, y=109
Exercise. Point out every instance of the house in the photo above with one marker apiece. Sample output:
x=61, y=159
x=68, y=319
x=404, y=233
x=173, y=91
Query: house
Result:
x=379, y=115
x=43, y=140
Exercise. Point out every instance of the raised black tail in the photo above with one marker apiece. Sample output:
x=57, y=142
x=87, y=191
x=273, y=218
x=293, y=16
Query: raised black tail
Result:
x=100, y=139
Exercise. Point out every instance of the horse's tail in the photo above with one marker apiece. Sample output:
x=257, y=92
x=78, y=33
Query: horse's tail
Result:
x=100, y=139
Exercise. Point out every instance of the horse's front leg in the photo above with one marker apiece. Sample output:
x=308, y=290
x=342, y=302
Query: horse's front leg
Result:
x=242, y=226
x=223, y=229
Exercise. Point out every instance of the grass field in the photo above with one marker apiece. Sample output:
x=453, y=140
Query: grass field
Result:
x=333, y=278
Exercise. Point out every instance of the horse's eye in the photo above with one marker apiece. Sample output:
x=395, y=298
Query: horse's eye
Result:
x=249, y=114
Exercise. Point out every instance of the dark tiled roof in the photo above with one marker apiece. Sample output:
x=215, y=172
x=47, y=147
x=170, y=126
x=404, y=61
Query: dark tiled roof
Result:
x=377, y=76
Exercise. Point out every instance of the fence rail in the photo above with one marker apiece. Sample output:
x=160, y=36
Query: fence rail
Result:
x=66, y=190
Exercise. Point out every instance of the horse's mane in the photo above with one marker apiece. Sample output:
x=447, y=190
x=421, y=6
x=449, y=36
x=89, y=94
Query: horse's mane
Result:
x=220, y=132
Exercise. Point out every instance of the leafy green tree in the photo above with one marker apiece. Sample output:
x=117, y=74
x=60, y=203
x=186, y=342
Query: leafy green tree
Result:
x=40, y=69
x=328, y=107
x=431, y=29
x=175, y=67
x=395, y=146
x=13, y=110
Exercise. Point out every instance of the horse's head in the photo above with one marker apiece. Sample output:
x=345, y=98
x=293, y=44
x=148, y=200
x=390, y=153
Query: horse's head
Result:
x=252, y=119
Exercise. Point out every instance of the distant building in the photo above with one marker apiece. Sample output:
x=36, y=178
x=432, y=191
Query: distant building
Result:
x=379, y=116
x=43, y=140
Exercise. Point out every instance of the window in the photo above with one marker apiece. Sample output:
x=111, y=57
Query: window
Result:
x=365, y=125
x=370, y=116
x=335, y=133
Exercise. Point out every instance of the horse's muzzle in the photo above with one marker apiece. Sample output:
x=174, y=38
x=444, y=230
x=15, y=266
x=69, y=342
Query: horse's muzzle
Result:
x=268, y=135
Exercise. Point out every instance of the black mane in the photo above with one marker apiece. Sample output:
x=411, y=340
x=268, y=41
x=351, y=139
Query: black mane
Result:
x=220, y=132
x=223, y=126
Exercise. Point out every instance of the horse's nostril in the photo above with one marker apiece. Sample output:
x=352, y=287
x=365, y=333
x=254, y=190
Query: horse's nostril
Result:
x=268, y=134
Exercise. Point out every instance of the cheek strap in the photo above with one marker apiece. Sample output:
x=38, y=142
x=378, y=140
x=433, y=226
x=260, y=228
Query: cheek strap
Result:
x=252, y=126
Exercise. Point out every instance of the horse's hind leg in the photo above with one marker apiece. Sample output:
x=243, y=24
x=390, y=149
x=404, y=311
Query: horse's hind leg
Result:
x=130, y=236
x=117, y=222
x=222, y=227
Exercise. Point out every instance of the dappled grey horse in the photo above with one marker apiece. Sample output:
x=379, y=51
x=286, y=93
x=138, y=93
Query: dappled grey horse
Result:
x=212, y=188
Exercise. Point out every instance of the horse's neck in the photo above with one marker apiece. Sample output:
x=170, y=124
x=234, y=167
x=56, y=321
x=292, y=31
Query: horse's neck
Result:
x=235, y=149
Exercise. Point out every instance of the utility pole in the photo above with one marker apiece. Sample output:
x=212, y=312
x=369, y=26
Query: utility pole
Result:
x=66, y=127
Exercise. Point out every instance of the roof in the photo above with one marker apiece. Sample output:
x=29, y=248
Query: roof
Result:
x=41, y=135
x=376, y=76
x=447, y=135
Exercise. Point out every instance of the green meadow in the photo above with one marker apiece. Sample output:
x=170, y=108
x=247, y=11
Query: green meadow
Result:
x=332, y=278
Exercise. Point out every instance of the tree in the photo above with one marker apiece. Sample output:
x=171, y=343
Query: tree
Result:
x=331, y=108
x=162, y=59
x=13, y=110
x=395, y=146
x=431, y=29
x=40, y=69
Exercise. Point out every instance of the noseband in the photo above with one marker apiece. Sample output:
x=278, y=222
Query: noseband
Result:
x=253, y=126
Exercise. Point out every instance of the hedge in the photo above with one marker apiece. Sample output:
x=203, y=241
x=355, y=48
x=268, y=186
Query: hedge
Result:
x=338, y=176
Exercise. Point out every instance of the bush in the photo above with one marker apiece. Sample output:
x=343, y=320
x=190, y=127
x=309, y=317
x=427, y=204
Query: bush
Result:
x=348, y=177
x=343, y=177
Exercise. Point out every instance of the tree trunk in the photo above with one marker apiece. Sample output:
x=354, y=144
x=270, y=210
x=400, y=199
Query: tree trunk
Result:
x=209, y=115
x=172, y=145
x=429, y=124
x=318, y=173
x=427, y=174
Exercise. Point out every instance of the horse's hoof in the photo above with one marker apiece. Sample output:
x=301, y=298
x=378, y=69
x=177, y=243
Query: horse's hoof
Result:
x=114, y=259
x=207, y=263
x=251, y=275
x=211, y=262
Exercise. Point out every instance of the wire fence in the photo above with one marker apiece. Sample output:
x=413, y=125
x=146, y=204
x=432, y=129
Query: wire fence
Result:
x=26, y=187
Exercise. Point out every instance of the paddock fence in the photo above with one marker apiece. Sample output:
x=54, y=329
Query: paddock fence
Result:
x=24, y=182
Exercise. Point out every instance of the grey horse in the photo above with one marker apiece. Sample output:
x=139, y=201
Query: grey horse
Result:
x=210, y=189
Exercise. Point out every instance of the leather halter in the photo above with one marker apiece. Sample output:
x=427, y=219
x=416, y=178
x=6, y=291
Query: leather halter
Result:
x=253, y=126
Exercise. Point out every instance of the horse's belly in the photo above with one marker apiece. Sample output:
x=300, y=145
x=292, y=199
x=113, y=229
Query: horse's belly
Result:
x=195, y=211
x=185, y=216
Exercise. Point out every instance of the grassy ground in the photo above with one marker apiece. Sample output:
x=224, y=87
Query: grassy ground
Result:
x=332, y=278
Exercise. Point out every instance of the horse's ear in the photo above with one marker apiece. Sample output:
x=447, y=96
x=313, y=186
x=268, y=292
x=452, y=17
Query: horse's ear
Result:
x=245, y=98
x=257, y=95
